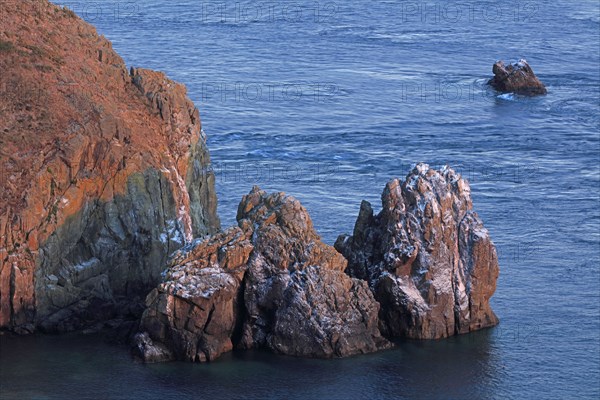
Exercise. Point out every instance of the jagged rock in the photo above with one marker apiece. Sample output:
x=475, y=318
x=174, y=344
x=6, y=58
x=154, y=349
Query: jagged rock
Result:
x=298, y=299
x=268, y=283
x=427, y=257
x=103, y=173
x=516, y=78
x=194, y=310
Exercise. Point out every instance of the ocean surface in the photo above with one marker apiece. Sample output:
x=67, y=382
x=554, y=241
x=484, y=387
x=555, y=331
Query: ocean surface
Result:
x=327, y=101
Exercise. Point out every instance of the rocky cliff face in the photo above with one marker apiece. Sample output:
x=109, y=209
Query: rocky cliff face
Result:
x=516, y=78
x=269, y=283
x=103, y=173
x=427, y=257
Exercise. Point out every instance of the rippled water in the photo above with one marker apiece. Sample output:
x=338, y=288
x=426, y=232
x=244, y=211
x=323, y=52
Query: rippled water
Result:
x=328, y=101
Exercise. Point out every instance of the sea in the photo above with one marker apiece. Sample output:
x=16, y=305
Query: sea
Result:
x=329, y=100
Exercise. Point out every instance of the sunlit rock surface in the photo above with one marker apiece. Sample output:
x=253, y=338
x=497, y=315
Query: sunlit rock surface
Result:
x=103, y=173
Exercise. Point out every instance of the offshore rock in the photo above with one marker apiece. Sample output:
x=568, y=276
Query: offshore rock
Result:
x=103, y=174
x=427, y=257
x=516, y=78
x=269, y=283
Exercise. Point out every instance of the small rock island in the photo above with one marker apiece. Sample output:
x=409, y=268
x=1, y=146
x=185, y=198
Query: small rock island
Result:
x=516, y=78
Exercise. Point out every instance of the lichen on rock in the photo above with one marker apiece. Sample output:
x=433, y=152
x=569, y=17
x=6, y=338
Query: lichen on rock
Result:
x=423, y=268
x=269, y=283
x=194, y=311
x=103, y=174
x=298, y=299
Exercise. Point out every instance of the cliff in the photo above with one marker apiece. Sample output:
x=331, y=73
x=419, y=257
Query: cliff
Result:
x=106, y=182
x=103, y=173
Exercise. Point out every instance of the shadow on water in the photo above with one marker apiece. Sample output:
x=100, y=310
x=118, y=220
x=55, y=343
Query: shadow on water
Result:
x=91, y=368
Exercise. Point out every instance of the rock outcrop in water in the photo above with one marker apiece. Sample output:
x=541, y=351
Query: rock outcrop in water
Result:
x=104, y=176
x=269, y=283
x=516, y=78
x=423, y=268
x=298, y=299
x=194, y=311
x=102, y=173
x=427, y=257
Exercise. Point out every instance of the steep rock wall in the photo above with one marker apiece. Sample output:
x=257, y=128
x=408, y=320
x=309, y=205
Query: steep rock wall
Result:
x=103, y=173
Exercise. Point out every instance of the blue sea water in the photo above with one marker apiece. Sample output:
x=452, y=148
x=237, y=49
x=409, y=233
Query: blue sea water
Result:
x=327, y=101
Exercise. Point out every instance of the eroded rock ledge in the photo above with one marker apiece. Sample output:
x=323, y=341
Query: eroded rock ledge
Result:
x=423, y=268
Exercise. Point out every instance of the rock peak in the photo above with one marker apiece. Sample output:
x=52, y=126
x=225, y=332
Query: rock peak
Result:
x=427, y=257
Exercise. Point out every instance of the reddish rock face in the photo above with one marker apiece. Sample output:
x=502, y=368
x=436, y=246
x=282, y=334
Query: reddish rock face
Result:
x=516, y=78
x=194, y=311
x=427, y=257
x=102, y=172
x=298, y=299
x=271, y=283
x=423, y=268
x=285, y=235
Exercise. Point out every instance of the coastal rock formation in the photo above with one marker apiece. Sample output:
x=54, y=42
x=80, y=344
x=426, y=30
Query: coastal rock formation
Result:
x=103, y=173
x=193, y=312
x=298, y=299
x=149, y=351
x=516, y=78
x=269, y=283
x=427, y=257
